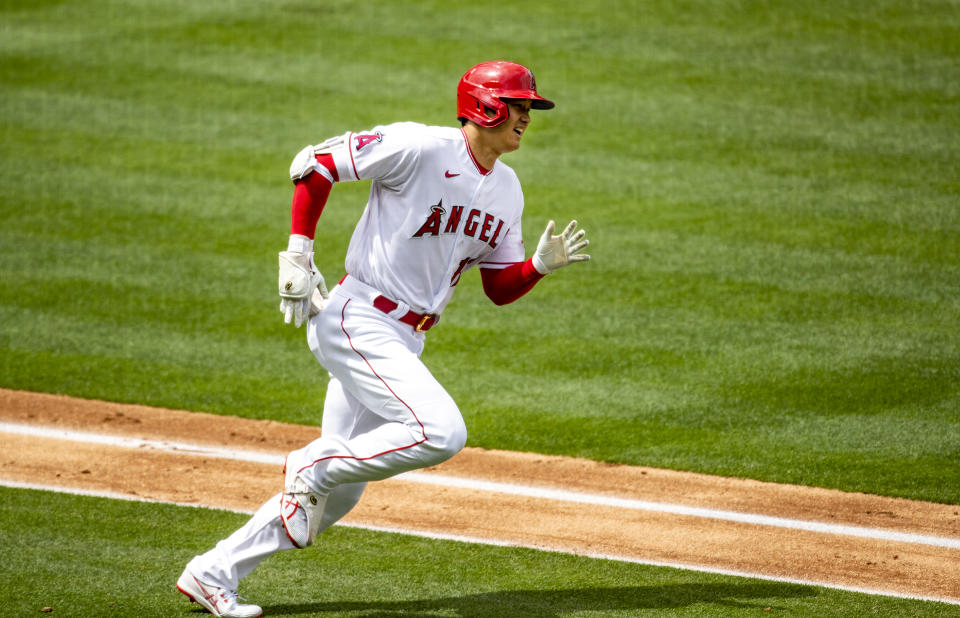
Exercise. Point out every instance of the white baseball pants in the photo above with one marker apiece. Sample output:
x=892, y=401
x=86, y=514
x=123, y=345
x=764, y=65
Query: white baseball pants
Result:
x=384, y=414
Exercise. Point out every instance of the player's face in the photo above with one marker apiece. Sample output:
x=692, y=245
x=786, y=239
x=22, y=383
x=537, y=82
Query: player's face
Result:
x=506, y=136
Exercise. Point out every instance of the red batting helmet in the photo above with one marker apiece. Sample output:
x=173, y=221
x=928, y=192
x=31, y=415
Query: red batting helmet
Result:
x=485, y=86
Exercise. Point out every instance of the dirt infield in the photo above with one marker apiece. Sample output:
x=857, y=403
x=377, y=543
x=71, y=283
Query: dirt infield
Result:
x=609, y=528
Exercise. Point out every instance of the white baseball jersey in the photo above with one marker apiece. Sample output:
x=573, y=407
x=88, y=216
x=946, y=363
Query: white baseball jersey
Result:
x=432, y=214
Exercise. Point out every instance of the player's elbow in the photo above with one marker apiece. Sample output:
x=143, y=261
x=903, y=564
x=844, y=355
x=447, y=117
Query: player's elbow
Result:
x=499, y=299
x=499, y=295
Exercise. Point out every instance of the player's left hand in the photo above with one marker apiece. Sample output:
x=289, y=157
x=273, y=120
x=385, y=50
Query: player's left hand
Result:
x=555, y=252
x=299, y=282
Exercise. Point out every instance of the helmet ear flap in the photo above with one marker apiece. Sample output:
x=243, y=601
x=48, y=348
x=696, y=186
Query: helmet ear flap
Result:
x=476, y=104
x=490, y=111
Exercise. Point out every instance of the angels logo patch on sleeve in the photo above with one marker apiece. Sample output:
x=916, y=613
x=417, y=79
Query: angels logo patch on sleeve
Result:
x=365, y=139
x=387, y=154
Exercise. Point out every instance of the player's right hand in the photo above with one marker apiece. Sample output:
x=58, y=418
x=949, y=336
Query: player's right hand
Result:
x=555, y=252
x=299, y=279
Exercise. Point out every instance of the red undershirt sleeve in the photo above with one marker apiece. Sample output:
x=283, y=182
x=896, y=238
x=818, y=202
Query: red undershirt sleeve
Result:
x=309, y=197
x=506, y=285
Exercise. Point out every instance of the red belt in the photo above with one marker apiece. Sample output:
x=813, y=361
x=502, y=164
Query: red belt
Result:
x=419, y=321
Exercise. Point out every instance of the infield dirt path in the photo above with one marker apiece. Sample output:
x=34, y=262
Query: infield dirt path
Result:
x=884, y=565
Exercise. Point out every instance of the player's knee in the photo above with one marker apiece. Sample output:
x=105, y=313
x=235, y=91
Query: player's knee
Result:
x=446, y=441
x=457, y=438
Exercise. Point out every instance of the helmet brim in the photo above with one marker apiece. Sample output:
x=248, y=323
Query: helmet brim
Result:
x=536, y=101
x=541, y=103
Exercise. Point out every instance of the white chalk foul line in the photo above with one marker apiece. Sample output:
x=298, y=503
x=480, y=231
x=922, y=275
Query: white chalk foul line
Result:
x=679, y=509
x=500, y=543
x=527, y=491
x=57, y=433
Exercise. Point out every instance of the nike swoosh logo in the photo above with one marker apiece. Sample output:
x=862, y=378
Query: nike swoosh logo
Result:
x=449, y=175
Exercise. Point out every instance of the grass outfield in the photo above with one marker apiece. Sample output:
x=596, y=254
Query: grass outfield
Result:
x=771, y=190
x=126, y=559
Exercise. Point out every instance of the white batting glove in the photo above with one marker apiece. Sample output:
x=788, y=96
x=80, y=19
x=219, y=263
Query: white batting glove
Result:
x=555, y=252
x=299, y=281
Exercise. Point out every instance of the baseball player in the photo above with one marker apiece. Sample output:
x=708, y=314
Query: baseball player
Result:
x=441, y=202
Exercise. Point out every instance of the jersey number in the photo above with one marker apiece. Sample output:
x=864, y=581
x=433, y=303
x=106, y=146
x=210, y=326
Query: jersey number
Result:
x=464, y=263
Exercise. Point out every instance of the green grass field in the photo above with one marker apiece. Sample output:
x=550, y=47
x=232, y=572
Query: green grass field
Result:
x=772, y=191
x=125, y=563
